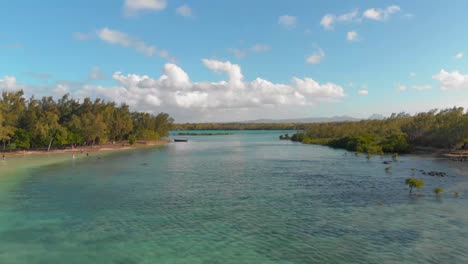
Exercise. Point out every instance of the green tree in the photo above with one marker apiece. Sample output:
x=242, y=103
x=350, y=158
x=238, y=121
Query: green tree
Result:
x=22, y=139
x=414, y=183
x=131, y=139
x=438, y=191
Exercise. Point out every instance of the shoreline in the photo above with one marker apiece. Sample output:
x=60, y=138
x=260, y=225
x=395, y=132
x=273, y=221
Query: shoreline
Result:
x=18, y=162
x=118, y=146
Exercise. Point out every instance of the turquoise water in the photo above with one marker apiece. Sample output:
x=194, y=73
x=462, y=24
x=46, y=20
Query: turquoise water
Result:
x=241, y=198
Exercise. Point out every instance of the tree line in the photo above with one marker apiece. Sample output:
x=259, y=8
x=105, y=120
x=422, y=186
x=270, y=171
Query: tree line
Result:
x=399, y=133
x=238, y=126
x=48, y=123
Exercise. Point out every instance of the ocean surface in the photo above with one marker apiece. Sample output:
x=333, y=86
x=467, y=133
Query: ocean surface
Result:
x=241, y=198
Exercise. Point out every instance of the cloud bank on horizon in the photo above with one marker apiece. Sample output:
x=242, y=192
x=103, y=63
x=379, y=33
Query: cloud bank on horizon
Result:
x=174, y=90
x=366, y=46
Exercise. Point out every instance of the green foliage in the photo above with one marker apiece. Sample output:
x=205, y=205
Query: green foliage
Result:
x=148, y=134
x=132, y=139
x=400, y=133
x=414, y=183
x=316, y=141
x=395, y=143
x=298, y=137
x=438, y=191
x=12, y=146
x=48, y=123
x=22, y=139
x=362, y=144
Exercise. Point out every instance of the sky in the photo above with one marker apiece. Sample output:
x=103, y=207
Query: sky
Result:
x=234, y=60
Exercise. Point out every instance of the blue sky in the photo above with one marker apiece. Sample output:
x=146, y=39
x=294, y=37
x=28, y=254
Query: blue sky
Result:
x=200, y=60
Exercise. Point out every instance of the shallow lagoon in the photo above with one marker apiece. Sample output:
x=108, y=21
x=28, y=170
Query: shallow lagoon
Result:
x=240, y=198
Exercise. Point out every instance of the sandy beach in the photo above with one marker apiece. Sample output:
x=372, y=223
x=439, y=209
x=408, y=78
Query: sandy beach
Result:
x=116, y=146
x=15, y=162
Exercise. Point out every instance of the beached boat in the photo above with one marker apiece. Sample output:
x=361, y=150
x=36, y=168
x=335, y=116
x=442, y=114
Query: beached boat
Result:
x=180, y=140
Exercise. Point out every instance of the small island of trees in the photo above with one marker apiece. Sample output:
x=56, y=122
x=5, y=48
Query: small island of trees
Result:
x=400, y=133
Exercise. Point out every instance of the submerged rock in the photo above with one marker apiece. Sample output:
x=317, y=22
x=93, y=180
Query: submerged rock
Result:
x=434, y=173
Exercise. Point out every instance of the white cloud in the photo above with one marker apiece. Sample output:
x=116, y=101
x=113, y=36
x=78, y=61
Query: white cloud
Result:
x=132, y=7
x=316, y=57
x=61, y=89
x=459, y=56
x=287, y=21
x=95, y=73
x=351, y=16
x=328, y=20
x=174, y=92
x=402, y=88
x=184, y=10
x=422, y=87
x=122, y=39
x=412, y=74
x=352, y=36
x=9, y=83
x=363, y=92
x=381, y=14
x=451, y=80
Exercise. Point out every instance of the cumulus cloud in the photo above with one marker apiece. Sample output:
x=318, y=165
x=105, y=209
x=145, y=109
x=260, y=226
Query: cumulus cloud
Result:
x=451, y=80
x=287, y=21
x=9, y=83
x=329, y=20
x=422, y=87
x=459, y=56
x=184, y=10
x=378, y=14
x=175, y=91
x=133, y=7
x=316, y=57
x=363, y=92
x=352, y=36
x=116, y=37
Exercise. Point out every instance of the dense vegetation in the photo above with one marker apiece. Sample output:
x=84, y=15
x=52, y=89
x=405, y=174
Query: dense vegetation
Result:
x=46, y=123
x=400, y=133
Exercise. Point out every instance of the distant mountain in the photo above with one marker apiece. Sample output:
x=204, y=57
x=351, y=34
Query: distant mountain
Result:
x=376, y=117
x=305, y=120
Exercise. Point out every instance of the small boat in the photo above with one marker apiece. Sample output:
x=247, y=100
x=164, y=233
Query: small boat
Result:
x=180, y=140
